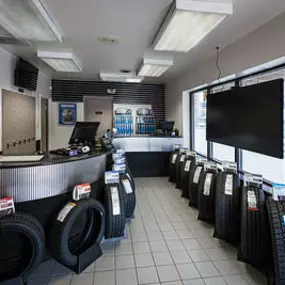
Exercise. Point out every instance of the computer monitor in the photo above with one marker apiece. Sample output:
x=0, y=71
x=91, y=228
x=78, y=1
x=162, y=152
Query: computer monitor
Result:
x=166, y=126
x=84, y=132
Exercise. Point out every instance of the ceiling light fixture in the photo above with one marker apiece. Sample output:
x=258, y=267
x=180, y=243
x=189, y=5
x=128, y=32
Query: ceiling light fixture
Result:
x=190, y=21
x=61, y=61
x=121, y=77
x=28, y=20
x=154, y=67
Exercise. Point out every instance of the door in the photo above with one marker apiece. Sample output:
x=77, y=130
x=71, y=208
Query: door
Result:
x=18, y=123
x=44, y=125
x=99, y=110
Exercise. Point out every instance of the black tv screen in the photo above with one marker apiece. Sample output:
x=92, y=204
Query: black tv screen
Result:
x=249, y=118
x=26, y=75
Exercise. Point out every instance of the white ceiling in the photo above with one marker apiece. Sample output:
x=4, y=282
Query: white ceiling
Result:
x=136, y=22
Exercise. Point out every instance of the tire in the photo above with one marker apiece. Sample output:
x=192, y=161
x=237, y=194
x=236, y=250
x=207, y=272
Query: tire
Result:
x=178, y=169
x=206, y=203
x=66, y=249
x=32, y=246
x=276, y=212
x=254, y=236
x=115, y=224
x=172, y=166
x=185, y=175
x=130, y=197
x=131, y=178
x=227, y=209
x=193, y=186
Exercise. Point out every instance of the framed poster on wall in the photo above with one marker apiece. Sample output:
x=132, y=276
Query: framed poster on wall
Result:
x=67, y=114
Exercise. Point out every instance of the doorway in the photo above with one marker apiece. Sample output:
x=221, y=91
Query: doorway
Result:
x=44, y=124
x=99, y=109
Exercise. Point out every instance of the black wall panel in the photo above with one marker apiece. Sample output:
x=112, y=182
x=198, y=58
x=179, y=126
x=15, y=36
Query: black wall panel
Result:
x=126, y=93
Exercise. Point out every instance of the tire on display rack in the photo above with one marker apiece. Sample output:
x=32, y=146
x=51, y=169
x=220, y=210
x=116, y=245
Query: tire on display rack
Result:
x=194, y=181
x=114, y=201
x=227, y=207
x=28, y=239
x=172, y=166
x=207, y=196
x=130, y=196
x=180, y=160
x=185, y=175
x=254, y=236
x=131, y=178
x=276, y=213
x=64, y=245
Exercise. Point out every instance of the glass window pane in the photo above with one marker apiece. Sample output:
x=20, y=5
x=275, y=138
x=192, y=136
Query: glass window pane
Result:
x=223, y=152
x=200, y=143
x=271, y=168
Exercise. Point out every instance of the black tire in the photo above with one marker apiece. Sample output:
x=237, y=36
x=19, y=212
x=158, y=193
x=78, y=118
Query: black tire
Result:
x=227, y=209
x=207, y=203
x=172, y=166
x=254, y=236
x=131, y=178
x=185, y=175
x=130, y=198
x=178, y=169
x=193, y=186
x=276, y=212
x=115, y=224
x=66, y=249
x=32, y=246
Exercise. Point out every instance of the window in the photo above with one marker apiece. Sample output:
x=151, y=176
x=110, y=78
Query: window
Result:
x=271, y=168
x=200, y=143
x=223, y=152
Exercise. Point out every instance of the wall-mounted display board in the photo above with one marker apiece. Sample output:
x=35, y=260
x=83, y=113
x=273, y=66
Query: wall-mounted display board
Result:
x=67, y=114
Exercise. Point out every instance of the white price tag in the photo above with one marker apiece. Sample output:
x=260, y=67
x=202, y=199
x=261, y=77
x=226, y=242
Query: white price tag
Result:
x=111, y=177
x=197, y=174
x=115, y=201
x=127, y=186
x=251, y=200
x=174, y=157
x=7, y=206
x=120, y=151
x=207, y=184
x=182, y=150
x=182, y=157
x=210, y=165
x=176, y=146
x=187, y=165
x=66, y=209
x=229, y=184
x=278, y=192
x=227, y=165
x=252, y=178
x=191, y=153
x=201, y=160
x=119, y=167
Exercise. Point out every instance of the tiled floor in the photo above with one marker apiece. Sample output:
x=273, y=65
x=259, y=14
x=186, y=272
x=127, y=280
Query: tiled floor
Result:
x=166, y=245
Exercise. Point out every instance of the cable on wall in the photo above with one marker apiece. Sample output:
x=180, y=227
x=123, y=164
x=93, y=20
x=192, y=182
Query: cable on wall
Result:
x=218, y=63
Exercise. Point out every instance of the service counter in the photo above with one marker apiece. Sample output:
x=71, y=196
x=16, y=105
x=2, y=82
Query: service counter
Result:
x=53, y=175
x=148, y=156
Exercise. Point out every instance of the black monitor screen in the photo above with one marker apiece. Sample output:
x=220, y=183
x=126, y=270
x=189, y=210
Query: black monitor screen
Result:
x=249, y=118
x=166, y=125
x=84, y=132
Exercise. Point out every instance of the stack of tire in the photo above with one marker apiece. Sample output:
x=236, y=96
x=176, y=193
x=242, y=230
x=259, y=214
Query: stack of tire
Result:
x=194, y=180
x=186, y=168
x=207, y=193
x=254, y=231
x=179, y=162
x=227, y=217
x=172, y=165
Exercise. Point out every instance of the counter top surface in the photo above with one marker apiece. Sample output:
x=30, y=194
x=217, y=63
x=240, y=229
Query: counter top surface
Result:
x=52, y=159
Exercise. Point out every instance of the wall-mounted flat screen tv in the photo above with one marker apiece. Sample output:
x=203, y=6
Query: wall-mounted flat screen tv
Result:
x=26, y=75
x=249, y=118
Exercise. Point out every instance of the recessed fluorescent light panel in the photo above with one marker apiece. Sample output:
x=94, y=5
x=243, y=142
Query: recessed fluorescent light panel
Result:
x=120, y=77
x=154, y=67
x=60, y=61
x=188, y=22
x=28, y=20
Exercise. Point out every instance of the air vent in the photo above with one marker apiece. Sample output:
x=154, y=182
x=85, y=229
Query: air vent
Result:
x=108, y=39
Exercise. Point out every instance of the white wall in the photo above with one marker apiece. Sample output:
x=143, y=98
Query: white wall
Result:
x=7, y=67
x=263, y=45
x=59, y=135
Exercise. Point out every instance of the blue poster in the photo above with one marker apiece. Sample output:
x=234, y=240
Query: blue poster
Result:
x=67, y=114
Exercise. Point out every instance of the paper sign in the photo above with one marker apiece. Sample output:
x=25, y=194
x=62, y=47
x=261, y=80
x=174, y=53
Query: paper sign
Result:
x=111, y=177
x=182, y=157
x=207, y=184
x=229, y=184
x=127, y=186
x=187, y=165
x=251, y=201
x=174, y=157
x=227, y=165
x=66, y=209
x=115, y=201
x=197, y=174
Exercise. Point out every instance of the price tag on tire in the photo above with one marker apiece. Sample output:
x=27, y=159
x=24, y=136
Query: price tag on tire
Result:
x=187, y=165
x=251, y=201
x=207, y=184
x=197, y=174
x=111, y=177
x=174, y=158
x=7, y=206
x=229, y=184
